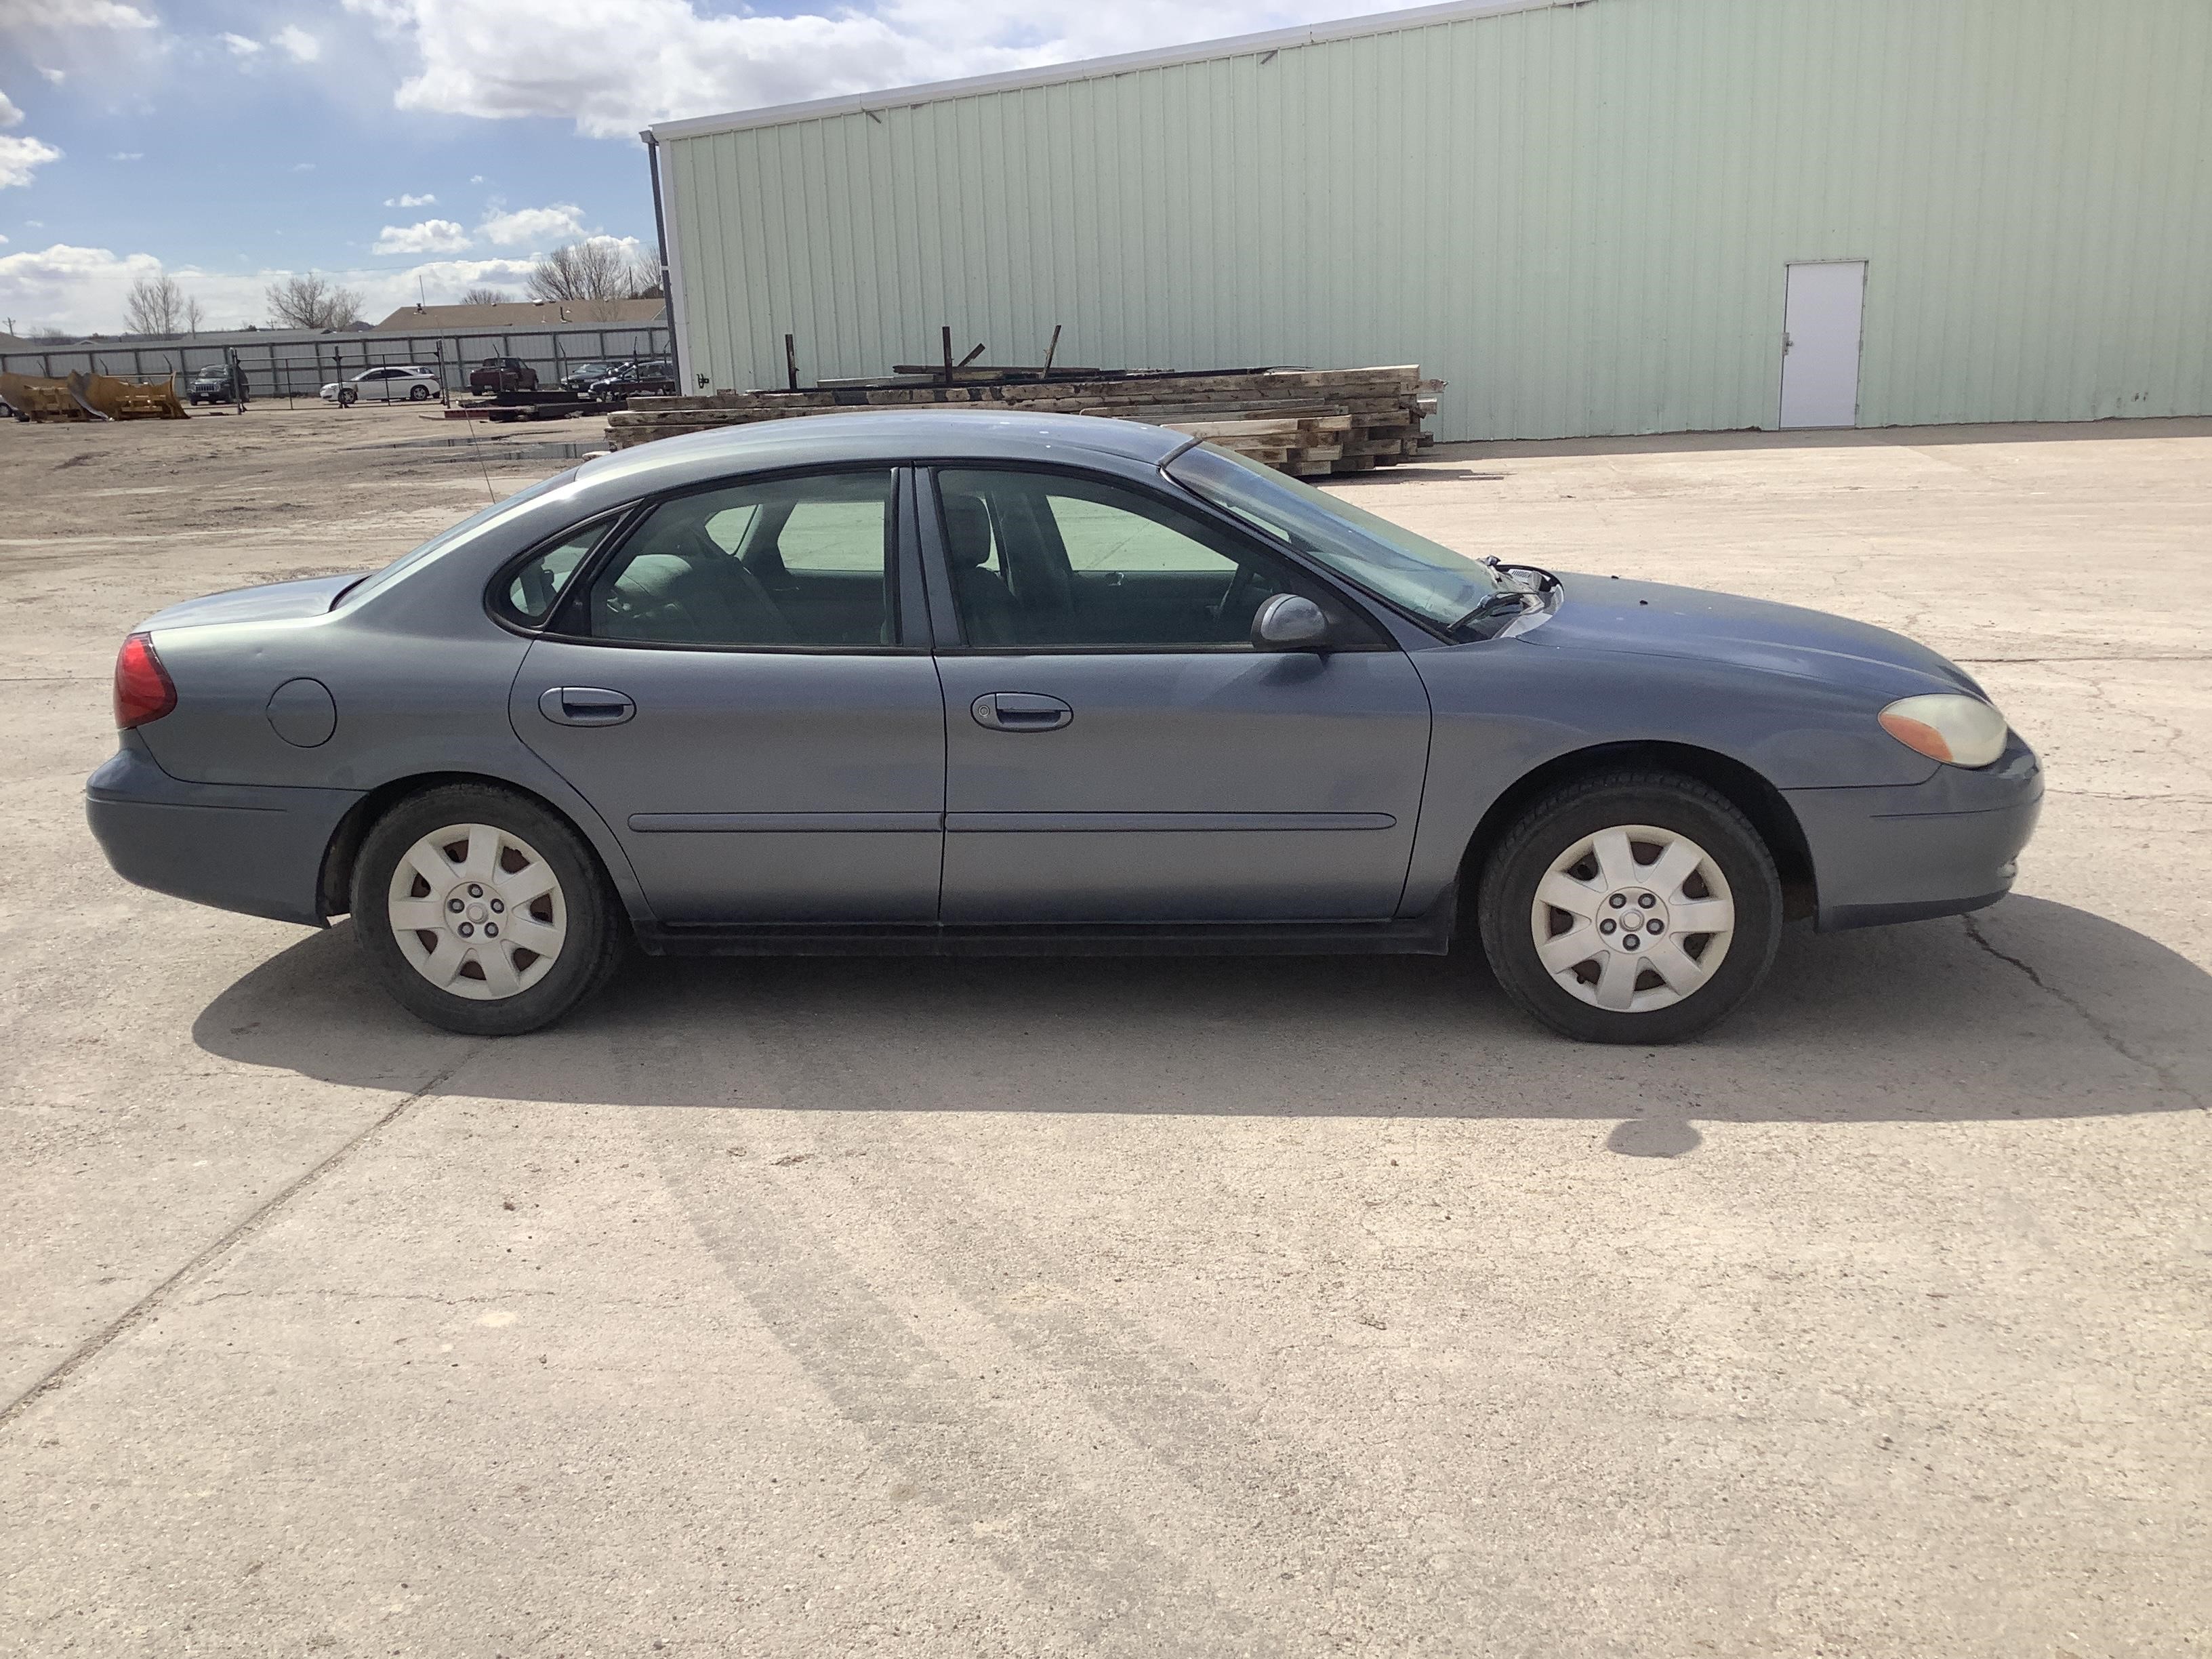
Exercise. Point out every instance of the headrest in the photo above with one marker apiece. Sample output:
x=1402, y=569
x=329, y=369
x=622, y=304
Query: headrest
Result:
x=967, y=532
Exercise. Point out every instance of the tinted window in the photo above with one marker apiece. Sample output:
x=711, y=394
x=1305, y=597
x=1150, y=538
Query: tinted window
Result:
x=535, y=586
x=1052, y=559
x=802, y=562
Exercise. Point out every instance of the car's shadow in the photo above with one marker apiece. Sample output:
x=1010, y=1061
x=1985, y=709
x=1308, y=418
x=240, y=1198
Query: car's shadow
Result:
x=1939, y=1021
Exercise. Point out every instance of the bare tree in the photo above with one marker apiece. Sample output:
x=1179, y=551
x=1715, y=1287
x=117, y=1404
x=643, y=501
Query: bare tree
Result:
x=312, y=302
x=159, y=305
x=487, y=296
x=589, y=270
x=644, y=274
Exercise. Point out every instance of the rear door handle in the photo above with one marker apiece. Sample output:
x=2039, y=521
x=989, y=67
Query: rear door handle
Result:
x=584, y=705
x=1020, y=711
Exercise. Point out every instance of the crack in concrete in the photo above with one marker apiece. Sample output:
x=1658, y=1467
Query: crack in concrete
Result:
x=2106, y=794
x=141, y=1310
x=2131, y=656
x=2168, y=1083
x=335, y=1295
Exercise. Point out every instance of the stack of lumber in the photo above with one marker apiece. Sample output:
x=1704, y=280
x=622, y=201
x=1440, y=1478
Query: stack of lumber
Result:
x=1306, y=421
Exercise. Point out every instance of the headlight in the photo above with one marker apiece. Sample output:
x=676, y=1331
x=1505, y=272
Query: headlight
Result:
x=1957, y=730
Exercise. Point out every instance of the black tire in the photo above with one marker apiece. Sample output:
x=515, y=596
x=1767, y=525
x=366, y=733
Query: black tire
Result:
x=418, y=394
x=598, y=934
x=1662, y=801
x=348, y=397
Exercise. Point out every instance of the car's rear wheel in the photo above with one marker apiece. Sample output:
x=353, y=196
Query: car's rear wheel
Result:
x=1630, y=907
x=417, y=394
x=483, y=912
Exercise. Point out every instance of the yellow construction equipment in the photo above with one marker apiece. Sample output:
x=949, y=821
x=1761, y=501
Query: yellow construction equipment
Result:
x=83, y=396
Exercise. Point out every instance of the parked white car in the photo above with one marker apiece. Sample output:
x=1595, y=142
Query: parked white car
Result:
x=396, y=383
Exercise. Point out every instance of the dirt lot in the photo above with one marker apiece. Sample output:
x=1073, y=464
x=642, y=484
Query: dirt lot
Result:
x=1128, y=1308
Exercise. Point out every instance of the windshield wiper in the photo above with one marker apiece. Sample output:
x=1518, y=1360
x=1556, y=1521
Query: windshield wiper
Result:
x=1506, y=602
x=1545, y=581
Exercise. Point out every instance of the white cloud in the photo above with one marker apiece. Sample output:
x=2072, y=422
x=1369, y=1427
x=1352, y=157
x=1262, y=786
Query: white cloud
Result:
x=431, y=236
x=240, y=46
x=20, y=157
x=54, y=76
x=534, y=226
x=302, y=47
x=424, y=200
x=83, y=288
x=26, y=14
x=615, y=65
x=303, y=166
x=128, y=156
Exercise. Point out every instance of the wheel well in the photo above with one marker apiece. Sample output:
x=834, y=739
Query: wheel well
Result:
x=334, y=887
x=1750, y=793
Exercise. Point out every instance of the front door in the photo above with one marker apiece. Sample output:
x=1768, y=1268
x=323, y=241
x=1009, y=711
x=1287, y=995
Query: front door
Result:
x=1821, y=323
x=1118, y=752
x=731, y=691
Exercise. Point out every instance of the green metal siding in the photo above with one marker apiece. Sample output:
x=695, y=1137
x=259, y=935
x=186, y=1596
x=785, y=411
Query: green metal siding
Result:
x=1578, y=215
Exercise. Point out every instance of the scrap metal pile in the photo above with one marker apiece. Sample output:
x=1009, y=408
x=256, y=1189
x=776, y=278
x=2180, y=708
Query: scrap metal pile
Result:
x=82, y=397
x=1308, y=421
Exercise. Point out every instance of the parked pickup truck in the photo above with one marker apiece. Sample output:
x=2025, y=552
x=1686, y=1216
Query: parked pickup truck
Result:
x=502, y=374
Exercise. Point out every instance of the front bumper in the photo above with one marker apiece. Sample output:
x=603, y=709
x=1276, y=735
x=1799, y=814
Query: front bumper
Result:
x=1937, y=849
x=233, y=846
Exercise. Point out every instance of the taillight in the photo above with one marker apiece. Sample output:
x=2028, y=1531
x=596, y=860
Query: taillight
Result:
x=143, y=691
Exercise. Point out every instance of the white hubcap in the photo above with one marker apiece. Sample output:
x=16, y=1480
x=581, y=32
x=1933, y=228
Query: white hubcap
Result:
x=1632, y=919
x=477, y=911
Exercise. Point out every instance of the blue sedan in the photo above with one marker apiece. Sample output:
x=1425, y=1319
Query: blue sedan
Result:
x=959, y=681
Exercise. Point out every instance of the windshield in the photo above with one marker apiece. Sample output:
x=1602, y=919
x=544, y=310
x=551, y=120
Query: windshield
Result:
x=446, y=538
x=1387, y=559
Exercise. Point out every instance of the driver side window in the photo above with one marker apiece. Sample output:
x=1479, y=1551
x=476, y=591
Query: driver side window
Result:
x=796, y=561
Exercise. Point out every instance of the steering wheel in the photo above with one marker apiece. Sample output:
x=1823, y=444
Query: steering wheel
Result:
x=1246, y=577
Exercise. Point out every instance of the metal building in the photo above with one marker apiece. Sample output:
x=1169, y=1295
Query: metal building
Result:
x=1590, y=216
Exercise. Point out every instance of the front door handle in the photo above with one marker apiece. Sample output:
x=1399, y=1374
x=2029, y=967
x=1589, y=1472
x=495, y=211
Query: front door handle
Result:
x=584, y=705
x=1020, y=711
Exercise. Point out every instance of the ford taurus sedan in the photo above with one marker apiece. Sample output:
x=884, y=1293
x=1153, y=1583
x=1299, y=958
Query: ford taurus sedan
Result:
x=962, y=682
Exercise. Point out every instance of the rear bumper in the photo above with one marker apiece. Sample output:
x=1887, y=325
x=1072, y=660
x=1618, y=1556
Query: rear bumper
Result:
x=232, y=846
x=1937, y=849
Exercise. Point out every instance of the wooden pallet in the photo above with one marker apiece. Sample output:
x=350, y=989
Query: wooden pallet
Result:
x=1308, y=421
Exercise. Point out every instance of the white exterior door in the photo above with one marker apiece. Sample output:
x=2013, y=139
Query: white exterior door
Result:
x=1820, y=318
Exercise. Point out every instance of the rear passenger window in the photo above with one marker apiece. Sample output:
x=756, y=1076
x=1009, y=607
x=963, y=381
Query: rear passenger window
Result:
x=535, y=586
x=796, y=561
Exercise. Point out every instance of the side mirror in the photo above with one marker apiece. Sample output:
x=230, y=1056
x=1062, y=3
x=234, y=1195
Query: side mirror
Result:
x=1290, y=622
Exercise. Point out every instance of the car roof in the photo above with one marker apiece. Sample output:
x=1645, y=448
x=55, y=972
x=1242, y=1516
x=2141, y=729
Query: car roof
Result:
x=883, y=436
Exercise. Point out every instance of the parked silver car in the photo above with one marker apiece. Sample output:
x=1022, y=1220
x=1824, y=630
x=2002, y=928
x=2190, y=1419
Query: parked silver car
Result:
x=967, y=682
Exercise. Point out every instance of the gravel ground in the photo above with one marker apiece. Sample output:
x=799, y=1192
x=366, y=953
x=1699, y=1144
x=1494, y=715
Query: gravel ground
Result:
x=1119, y=1307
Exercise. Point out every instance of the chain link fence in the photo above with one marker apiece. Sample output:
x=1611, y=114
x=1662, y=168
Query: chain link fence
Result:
x=300, y=365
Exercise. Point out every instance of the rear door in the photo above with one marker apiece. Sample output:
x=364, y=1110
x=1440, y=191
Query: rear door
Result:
x=1117, y=752
x=732, y=687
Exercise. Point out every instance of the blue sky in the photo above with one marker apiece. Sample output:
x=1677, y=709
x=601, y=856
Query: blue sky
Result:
x=437, y=144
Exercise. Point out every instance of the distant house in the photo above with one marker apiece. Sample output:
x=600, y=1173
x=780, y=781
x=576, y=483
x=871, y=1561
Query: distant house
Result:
x=523, y=313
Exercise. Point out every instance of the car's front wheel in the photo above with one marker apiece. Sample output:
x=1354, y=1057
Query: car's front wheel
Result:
x=483, y=912
x=1631, y=907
